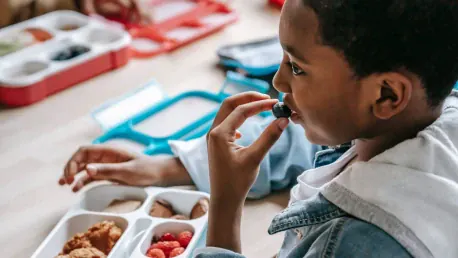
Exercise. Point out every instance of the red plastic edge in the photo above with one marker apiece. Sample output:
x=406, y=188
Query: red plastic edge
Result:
x=30, y=94
x=157, y=32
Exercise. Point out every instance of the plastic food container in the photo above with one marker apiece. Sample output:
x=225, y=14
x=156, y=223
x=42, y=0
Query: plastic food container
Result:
x=50, y=53
x=139, y=228
x=177, y=23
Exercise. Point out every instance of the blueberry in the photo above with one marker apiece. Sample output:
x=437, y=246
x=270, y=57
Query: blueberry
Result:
x=281, y=110
x=78, y=50
x=62, y=55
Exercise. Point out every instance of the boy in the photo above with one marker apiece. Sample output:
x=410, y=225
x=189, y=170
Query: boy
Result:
x=378, y=73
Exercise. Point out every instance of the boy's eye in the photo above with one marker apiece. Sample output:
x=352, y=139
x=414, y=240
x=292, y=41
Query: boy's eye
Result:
x=295, y=69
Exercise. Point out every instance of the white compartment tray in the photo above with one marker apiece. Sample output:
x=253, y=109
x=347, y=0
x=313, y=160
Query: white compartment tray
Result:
x=139, y=228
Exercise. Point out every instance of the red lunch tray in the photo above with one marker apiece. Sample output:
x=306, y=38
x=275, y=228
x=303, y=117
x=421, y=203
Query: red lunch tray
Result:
x=177, y=23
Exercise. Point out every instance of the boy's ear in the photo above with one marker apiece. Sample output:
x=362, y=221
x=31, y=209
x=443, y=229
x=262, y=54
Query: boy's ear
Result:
x=394, y=91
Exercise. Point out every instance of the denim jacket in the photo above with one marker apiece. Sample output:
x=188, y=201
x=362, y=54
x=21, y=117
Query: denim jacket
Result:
x=317, y=228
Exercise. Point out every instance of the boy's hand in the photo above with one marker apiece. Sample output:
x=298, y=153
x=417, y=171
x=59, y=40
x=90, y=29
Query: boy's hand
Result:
x=233, y=168
x=100, y=162
x=127, y=9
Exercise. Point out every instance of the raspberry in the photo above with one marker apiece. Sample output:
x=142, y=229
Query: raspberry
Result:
x=184, y=238
x=166, y=246
x=168, y=237
x=155, y=253
x=177, y=251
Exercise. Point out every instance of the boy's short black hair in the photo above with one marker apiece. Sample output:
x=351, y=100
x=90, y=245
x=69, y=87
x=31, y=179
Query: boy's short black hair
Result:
x=378, y=36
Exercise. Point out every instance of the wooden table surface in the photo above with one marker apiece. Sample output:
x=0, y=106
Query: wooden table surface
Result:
x=36, y=141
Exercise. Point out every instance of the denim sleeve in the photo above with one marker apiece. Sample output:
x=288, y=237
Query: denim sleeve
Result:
x=347, y=237
x=288, y=158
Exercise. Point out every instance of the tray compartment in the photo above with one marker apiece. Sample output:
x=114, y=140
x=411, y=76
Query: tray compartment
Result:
x=74, y=225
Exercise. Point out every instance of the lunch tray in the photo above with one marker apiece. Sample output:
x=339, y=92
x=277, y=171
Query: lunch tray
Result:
x=35, y=71
x=176, y=23
x=139, y=228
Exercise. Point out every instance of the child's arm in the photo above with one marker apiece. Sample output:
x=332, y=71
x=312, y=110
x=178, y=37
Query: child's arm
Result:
x=99, y=162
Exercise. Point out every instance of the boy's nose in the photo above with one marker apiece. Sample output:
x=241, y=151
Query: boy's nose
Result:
x=280, y=82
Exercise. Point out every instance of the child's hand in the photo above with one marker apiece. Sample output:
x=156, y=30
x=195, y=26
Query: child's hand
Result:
x=99, y=162
x=233, y=168
x=127, y=9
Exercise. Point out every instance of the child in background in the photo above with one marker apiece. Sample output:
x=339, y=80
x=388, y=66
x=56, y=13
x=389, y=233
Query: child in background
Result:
x=13, y=11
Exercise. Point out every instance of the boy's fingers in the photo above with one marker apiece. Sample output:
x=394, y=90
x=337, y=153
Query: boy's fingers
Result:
x=109, y=171
x=243, y=112
x=259, y=148
x=83, y=181
x=233, y=102
x=76, y=164
x=97, y=171
x=86, y=155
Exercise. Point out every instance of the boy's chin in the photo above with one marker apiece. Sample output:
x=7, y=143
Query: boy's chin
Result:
x=317, y=139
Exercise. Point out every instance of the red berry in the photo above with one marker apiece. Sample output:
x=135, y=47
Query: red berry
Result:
x=184, y=238
x=168, y=237
x=155, y=253
x=166, y=246
x=177, y=251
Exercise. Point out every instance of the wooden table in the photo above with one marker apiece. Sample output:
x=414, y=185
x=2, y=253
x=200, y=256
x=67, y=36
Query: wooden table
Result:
x=36, y=141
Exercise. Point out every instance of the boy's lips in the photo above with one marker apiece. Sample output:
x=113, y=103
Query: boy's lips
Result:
x=295, y=117
x=290, y=106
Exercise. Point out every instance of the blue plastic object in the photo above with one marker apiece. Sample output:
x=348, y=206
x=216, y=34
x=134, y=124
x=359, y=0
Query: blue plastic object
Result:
x=234, y=83
x=251, y=70
x=456, y=86
x=257, y=58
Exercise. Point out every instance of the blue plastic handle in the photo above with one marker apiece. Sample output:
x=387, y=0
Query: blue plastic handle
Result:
x=252, y=70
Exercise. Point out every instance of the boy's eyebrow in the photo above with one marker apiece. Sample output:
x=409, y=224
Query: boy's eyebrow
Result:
x=293, y=52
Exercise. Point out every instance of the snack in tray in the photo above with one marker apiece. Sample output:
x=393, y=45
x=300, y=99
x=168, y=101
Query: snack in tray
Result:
x=69, y=27
x=9, y=47
x=200, y=208
x=155, y=253
x=122, y=206
x=38, y=34
x=78, y=241
x=101, y=236
x=104, y=235
x=169, y=245
x=177, y=251
x=163, y=209
x=180, y=217
x=89, y=252
x=70, y=52
x=22, y=39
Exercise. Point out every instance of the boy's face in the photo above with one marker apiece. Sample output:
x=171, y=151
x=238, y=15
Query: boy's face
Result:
x=328, y=101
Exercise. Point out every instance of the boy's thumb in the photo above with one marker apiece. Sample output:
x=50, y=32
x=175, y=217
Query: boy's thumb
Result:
x=268, y=138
